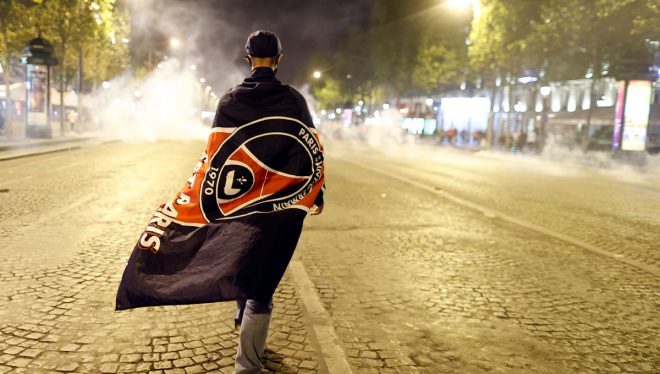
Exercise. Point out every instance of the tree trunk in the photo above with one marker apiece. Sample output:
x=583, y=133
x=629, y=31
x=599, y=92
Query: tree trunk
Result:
x=491, y=118
x=507, y=130
x=595, y=78
x=592, y=104
x=6, y=64
x=62, y=87
x=79, y=83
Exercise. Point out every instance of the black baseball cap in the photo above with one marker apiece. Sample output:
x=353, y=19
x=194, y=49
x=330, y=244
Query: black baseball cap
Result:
x=263, y=43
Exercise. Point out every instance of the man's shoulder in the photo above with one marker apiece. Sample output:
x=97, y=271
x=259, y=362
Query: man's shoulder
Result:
x=296, y=93
x=298, y=97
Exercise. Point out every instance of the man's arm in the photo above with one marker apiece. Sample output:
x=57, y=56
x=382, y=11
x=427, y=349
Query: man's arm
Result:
x=306, y=118
x=319, y=203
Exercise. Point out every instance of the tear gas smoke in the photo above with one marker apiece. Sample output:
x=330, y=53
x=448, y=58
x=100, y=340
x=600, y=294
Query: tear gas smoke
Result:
x=168, y=102
x=385, y=135
x=163, y=105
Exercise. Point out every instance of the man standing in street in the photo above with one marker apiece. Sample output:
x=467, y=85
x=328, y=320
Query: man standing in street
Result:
x=232, y=229
x=262, y=95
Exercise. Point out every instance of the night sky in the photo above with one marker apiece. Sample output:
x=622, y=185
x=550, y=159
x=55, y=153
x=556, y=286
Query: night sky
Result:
x=214, y=31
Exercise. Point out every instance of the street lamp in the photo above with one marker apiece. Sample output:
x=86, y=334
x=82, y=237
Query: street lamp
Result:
x=459, y=4
x=175, y=43
x=38, y=58
x=464, y=5
x=317, y=74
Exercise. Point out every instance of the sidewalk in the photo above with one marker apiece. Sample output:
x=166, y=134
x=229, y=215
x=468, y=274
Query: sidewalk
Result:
x=17, y=148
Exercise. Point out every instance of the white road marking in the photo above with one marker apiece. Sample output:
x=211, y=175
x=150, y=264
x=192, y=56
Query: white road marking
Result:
x=492, y=213
x=332, y=355
x=68, y=166
x=23, y=165
x=7, y=183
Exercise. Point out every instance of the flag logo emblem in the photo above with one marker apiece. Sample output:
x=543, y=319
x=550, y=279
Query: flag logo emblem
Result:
x=263, y=166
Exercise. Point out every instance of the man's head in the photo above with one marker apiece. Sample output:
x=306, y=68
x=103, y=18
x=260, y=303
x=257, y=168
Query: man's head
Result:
x=263, y=49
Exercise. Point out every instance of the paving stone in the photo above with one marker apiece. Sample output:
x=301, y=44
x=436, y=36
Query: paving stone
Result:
x=109, y=367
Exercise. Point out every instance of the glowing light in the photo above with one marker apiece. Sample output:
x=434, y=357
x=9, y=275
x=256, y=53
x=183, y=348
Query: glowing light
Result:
x=459, y=4
x=545, y=90
x=520, y=107
x=323, y=112
x=175, y=43
x=572, y=104
x=193, y=67
x=202, y=80
x=125, y=40
x=589, y=74
x=338, y=110
x=429, y=102
x=105, y=85
x=476, y=9
x=386, y=106
x=465, y=113
x=361, y=102
x=604, y=101
x=525, y=80
x=317, y=74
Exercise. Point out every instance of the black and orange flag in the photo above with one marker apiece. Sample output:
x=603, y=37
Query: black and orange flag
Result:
x=231, y=230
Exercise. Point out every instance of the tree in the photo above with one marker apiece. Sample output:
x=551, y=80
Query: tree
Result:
x=438, y=65
x=88, y=38
x=394, y=35
x=14, y=32
x=330, y=94
x=602, y=37
x=67, y=23
x=500, y=35
x=106, y=51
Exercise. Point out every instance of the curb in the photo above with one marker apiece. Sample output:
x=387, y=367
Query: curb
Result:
x=59, y=145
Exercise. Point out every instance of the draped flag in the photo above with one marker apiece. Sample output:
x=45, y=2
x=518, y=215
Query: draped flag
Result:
x=231, y=230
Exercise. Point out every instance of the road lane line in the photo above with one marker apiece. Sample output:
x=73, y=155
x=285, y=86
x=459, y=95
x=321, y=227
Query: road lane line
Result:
x=492, y=213
x=332, y=355
x=27, y=164
x=68, y=166
x=7, y=183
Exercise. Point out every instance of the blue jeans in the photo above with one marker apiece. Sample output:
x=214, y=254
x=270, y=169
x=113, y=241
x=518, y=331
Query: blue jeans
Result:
x=254, y=318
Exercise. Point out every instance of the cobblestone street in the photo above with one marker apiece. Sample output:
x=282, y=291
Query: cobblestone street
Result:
x=412, y=280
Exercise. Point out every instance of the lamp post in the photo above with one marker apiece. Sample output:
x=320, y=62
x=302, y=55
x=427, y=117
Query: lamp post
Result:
x=38, y=58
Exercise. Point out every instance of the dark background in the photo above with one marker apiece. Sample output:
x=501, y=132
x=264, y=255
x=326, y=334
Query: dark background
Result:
x=213, y=32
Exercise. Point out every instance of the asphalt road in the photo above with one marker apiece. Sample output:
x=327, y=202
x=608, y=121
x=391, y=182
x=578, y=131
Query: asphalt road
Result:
x=425, y=260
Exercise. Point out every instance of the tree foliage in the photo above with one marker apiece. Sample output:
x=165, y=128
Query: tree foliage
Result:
x=419, y=45
x=329, y=94
x=97, y=28
x=438, y=65
x=14, y=29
